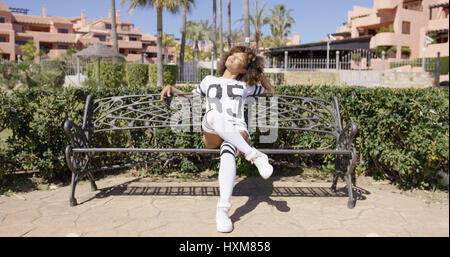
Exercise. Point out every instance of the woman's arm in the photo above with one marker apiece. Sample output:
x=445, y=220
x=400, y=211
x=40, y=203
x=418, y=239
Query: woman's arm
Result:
x=268, y=88
x=169, y=90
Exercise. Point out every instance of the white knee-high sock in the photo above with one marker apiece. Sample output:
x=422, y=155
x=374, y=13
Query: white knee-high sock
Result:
x=227, y=173
x=227, y=131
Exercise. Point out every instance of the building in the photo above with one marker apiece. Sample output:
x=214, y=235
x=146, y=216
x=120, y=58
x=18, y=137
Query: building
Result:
x=52, y=34
x=55, y=35
x=401, y=26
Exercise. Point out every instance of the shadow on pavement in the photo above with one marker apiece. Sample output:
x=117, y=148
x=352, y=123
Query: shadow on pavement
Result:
x=257, y=189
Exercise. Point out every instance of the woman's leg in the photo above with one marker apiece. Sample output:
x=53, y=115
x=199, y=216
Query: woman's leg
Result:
x=226, y=130
x=227, y=175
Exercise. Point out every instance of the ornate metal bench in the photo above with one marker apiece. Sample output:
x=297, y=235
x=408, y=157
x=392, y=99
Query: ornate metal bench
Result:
x=132, y=112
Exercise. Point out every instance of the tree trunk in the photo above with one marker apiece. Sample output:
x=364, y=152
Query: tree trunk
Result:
x=246, y=22
x=214, y=34
x=220, y=30
x=113, y=27
x=229, y=25
x=196, y=49
x=159, y=63
x=183, y=42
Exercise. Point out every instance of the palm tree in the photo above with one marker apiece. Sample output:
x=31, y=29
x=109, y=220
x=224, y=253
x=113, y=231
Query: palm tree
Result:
x=236, y=37
x=171, y=5
x=246, y=22
x=167, y=41
x=197, y=32
x=280, y=22
x=113, y=25
x=214, y=30
x=258, y=20
x=186, y=7
x=229, y=25
x=220, y=29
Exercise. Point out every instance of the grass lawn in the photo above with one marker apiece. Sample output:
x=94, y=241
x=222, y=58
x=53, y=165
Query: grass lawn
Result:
x=3, y=137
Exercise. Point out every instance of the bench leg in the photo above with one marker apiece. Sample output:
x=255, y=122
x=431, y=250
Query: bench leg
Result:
x=333, y=186
x=92, y=180
x=72, y=200
x=351, y=199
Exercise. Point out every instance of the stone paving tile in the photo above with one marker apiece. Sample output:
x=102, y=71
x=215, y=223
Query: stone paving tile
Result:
x=125, y=206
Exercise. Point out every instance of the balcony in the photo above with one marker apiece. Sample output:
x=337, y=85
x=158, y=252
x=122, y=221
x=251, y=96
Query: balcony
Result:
x=150, y=49
x=130, y=44
x=6, y=27
x=438, y=24
x=432, y=49
x=133, y=57
x=56, y=52
x=386, y=4
x=388, y=39
x=49, y=37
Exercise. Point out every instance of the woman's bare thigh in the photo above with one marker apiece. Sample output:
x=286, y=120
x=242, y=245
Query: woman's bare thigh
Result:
x=213, y=141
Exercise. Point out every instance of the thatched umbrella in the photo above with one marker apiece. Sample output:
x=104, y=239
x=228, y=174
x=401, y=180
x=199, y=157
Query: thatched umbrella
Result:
x=98, y=51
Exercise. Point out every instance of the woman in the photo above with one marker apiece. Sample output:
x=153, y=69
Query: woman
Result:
x=223, y=124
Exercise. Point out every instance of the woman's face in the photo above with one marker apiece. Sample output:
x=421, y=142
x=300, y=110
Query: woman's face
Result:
x=237, y=63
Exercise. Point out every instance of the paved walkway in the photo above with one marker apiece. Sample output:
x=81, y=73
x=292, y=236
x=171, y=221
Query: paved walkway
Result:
x=128, y=206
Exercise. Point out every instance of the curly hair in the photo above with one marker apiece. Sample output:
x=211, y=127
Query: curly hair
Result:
x=255, y=65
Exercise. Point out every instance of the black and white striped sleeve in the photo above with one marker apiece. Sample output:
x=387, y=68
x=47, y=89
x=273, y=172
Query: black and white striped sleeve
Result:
x=257, y=90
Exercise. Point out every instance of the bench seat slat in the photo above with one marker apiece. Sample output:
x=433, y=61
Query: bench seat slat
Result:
x=194, y=150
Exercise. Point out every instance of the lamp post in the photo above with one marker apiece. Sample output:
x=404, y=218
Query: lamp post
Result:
x=428, y=40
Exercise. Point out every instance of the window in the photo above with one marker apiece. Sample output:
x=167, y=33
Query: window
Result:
x=406, y=25
x=63, y=31
x=2, y=20
x=21, y=42
x=119, y=38
x=63, y=47
x=133, y=39
x=3, y=39
x=108, y=26
x=101, y=38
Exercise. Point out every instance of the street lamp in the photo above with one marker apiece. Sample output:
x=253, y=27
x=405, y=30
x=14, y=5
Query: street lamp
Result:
x=330, y=38
x=428, y=40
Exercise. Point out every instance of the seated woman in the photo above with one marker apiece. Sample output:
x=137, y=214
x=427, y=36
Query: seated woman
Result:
x=223, y=124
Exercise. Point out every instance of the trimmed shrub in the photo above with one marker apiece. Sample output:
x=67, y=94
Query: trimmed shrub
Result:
x=112, y=74
x=136, y=74
x=402, y=133
x=170, y=74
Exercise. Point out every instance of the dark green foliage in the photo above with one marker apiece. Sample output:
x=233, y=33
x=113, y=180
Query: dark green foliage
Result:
x=136, y=74
x=403, y=133
x=170, y=74
x=112, y=74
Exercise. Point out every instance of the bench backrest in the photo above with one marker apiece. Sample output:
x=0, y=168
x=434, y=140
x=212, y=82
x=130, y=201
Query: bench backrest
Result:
x=147, y=111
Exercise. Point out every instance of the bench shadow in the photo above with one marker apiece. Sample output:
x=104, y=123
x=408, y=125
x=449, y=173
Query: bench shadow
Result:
x=256, y=189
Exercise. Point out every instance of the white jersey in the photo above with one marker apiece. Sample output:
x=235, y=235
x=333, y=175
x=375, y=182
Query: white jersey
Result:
x=227, y=96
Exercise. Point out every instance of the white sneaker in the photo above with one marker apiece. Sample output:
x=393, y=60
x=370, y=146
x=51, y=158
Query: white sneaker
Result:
x=223, y=221
x=261, y=161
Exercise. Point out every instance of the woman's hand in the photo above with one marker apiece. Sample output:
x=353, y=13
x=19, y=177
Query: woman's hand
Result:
x=166, y=91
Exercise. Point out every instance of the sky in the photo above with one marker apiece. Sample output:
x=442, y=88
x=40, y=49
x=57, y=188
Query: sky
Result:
x=313, y=19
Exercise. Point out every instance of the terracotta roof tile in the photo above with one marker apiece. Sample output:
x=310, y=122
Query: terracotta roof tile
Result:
x=40, y=19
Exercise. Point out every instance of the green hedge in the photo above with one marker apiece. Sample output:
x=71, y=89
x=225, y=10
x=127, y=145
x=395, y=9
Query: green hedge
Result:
x=403, y=133
x=170, y=74
x=112, y=74
x=136, y=74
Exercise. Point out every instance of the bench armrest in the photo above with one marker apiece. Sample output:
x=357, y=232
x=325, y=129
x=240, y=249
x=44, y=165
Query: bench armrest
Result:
x=345, y=137
x=75, y=134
